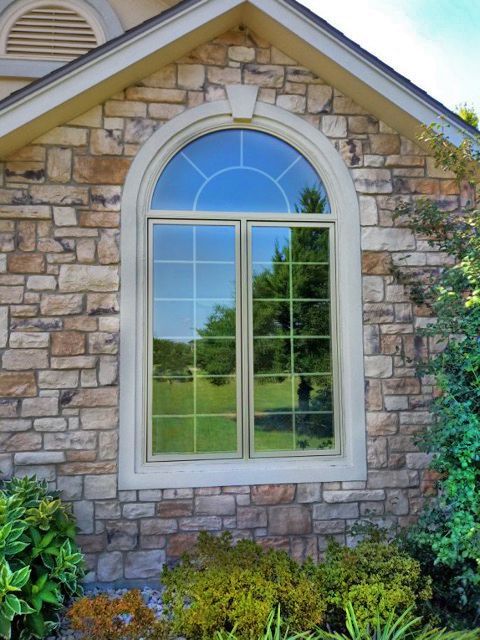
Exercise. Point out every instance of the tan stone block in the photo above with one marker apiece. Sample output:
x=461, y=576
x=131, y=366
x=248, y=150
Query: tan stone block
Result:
x=17, y=384
x=164, y=111
x=57, y=379
x=100, y=170
x=372, y=180
x=103, y=342
x=106, y=142
x=27, y=172
x=26, y=263
x=64, y=216
x=382, y=423
x=224, y=75
x=272, y=493
x=301, y=74
x=241, y=53
x=334, y=126
x=68, y=343
x=144, y=564
x=11, y=295
x=405, y=161
x=149, y=94
x=99, y=219
x=209, y=53
x=362, y=124
x=319, y=98
x=73, y=362
x=59, y=164
x=102, y=304
x=60, y=305
x=293, y=103
x=83, y=468
x=223, y=505
x=27, y=212
x=88, y=278
x=373, y=395
x=125, y=109
x=23, y=359
x=376, y=262
x=165, y=78
x=272, y=76
x=59, y=195
x=85, y=249
x=106, y=198
x=31, y=153
x=26, y=441
x=101, y=397
x=179, y=543
x=378, y=366
x=400, y=386
x=387, y=239
x=191, y=76
x=377, y=453
x=27, y=235
x=91, y=118
x=288, y=520
x=99, y=418
x=67, y=136
x=26, y=340
x=37, y=407
x=80, y=323
x=345, y=105
x=384, y=144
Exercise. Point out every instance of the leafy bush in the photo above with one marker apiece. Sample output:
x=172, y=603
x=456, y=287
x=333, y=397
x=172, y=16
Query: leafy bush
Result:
x=40, y=566
x=105, y=618
x=447, y=538
x=223, y=587
x=393, y=627
x=376, y=576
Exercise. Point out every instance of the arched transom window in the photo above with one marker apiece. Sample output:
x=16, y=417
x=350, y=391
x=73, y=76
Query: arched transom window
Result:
x=242, y=342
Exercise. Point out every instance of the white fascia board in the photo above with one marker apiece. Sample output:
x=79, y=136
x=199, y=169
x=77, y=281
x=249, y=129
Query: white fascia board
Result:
x=113, y=62
x=355, y=63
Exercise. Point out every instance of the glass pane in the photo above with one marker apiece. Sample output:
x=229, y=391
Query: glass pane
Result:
x=172, y=396
x=194, y=392
x=274, y=432
x=291, y=344
x=314, y=431
x=240, y=170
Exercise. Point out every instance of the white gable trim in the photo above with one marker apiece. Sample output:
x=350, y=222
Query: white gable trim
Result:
x=288, y=27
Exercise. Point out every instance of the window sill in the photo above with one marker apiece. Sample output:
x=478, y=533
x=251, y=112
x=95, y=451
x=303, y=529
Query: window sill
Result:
x=216, y=473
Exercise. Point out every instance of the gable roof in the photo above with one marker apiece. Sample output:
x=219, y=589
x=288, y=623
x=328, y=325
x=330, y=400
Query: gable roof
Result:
x=92, y=78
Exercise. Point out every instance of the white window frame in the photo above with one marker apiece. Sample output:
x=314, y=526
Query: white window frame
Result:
x=350, y=463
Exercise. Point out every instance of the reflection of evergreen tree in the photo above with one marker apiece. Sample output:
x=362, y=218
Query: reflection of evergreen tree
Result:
x=217, y=357
x=172, y=358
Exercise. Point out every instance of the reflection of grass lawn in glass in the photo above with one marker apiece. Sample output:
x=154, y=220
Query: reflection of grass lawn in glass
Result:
x=214, y=433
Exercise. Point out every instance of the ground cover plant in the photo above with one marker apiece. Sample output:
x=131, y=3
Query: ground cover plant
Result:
x=40, y=564
x=447, y=538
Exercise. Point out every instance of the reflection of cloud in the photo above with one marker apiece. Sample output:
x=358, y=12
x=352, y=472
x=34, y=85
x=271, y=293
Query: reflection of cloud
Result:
x=432, y=43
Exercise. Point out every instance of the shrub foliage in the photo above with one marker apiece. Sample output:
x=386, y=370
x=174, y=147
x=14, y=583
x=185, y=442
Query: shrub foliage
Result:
x=221, y=586
x=40, y=565
x=126, y=617
x=447, y=538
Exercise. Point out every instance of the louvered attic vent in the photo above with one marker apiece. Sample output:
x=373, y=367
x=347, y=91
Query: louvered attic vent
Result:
x=51, y=32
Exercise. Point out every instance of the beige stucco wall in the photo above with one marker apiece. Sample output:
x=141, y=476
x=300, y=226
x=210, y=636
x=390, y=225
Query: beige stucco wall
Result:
x=60, y=202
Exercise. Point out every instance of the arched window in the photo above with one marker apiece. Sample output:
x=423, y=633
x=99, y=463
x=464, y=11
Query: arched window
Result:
x=242, y=358
x=236, y=170
x=241, y=328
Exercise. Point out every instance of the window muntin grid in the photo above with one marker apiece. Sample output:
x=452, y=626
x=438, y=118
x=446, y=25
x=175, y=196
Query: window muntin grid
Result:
x=236, y=170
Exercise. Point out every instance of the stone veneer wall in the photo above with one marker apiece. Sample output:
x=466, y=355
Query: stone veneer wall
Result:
x=59, y=325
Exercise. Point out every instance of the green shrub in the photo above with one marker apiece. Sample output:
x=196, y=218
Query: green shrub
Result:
x=375, y=576
x=40, y=566
x=223, y=587
x=276, y=629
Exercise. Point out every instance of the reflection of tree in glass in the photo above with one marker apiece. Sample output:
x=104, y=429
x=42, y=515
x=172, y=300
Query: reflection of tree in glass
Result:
x=218, y=356
x=172, y=358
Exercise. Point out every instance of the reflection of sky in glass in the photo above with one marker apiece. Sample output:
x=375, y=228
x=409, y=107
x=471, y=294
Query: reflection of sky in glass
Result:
x=193, y=275
x=235, y=170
